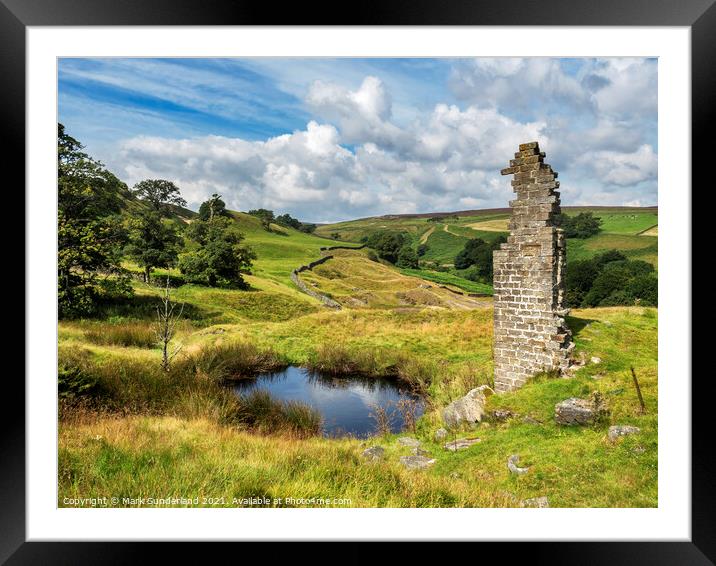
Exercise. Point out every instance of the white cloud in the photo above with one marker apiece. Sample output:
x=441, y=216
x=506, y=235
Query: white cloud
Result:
x=446, y=160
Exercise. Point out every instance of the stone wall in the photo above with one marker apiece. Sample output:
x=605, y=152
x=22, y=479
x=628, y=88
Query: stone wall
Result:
x=327, y=301
x=530, y=333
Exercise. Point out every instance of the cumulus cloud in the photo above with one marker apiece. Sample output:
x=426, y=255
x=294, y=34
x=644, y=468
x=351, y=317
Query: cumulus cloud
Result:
x=354, y=160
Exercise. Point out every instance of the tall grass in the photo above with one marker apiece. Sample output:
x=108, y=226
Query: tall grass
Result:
x=233, y=361
x=193, y=386
x=129, y=334
x=337, y=360
x=260, y=412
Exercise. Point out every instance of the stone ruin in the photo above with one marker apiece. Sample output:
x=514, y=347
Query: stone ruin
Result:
x=530, y=333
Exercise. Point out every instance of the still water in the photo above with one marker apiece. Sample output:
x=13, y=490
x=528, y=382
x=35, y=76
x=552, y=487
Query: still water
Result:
x=346, y=404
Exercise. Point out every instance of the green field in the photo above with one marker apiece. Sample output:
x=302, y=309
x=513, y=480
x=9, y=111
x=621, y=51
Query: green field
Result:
x=168, y=433
x=628, y=229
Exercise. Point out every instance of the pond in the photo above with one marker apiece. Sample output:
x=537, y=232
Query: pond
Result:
x=346, y=404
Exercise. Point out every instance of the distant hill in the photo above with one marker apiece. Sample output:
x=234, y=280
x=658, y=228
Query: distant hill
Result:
x=632, y=230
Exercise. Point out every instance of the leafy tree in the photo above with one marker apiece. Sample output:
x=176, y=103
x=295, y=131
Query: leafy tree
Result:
x=220, y=259
x=152, y=242
x=645, y=288
x=158, y=193
x=478, y=253
x=407, y=258
x=89, y=233
x=582, y=226
x=215, y=206
x=422, y=250
x=288, y=221
x=388, y=245
x=266, y=217
x=308, y=228
x=610, y=279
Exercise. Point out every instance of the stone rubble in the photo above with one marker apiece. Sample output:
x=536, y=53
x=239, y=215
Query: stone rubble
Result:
x=468, y=409
x=416, y=462
x=460, y=444
x=622, y=430
x=373, y=453
x=512, y=465
x=539, y=502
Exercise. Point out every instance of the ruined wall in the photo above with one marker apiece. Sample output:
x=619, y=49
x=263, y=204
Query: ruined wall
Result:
x=530, y=334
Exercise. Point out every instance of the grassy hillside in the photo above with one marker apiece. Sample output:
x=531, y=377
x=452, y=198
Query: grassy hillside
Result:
x=628, y=229
x=185, y=451
x=147, y=432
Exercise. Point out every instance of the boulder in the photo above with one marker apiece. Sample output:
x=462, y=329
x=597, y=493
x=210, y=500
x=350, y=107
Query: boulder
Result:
x=416, y=462
x=468, y=409
x=373, y=453
x=596, y=360
x=512, y=465
x=408, y=441
x=440, y=434
x=420, y=452
x=622, y=430
x=575, y=411
x=461, y=443
x=501, y=415
x=540, y=502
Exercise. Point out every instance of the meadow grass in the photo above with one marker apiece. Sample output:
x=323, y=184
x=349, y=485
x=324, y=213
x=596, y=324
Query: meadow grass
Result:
x=198, y=447
x=450, y=279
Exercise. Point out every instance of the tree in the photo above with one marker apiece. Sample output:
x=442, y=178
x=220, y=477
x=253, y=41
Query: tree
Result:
x=288, y=221
x=158, y=193
x=89, y=233
x=582, y=226
x=478, y=253
x=220, y=258
x=152, y=242
x=422, y=250
x=266, y=217
x=165, y=325
x=212, y=207
x=407, y=258
x=387, y=244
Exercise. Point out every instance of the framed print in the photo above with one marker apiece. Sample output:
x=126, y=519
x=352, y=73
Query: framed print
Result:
x=421, y=276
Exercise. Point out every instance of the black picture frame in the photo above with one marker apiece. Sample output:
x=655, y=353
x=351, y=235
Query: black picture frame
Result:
x=699, y=15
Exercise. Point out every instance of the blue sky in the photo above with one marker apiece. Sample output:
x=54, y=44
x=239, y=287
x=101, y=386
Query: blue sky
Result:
x=334, y=139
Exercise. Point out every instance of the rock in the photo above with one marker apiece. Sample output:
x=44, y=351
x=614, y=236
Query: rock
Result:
x=639, y=450
x=540, y=502
x=512, y=465
x=373, y=453
x=622, y=430
x=575, y=411
x=461, y=443
x=440, y=434
x=501, y=415
x=454, y=475
x=531, y=420
x=420, y=452
x=408, y=441
x=468, y=409
x=416, y=462
x=596, y=360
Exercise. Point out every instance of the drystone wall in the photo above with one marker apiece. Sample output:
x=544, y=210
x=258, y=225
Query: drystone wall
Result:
x=306, y=289
x=530, y=333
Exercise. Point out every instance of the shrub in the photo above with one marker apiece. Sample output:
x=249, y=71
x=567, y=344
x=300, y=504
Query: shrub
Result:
x=72, y=382
x=407, y=258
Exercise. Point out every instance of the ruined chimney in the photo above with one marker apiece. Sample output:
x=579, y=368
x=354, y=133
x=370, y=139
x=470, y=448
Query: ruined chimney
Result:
x=530, y=333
